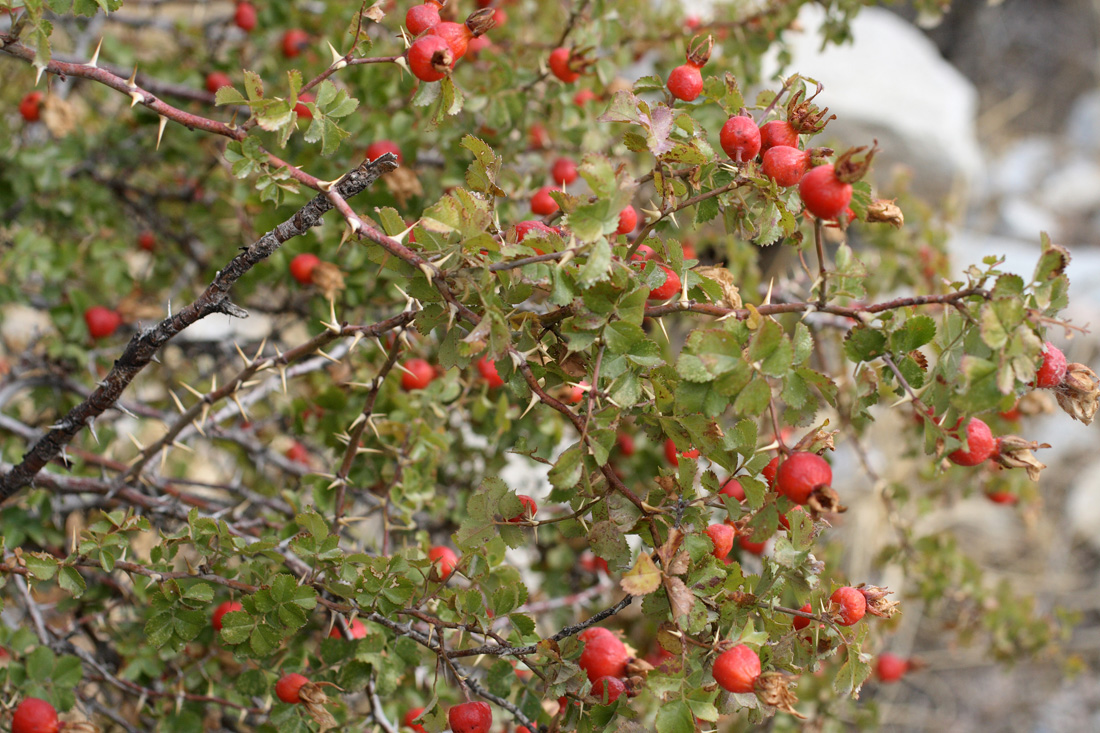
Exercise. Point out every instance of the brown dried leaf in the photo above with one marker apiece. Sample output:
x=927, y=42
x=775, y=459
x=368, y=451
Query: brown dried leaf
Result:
x=668, y=550
x=642, y=579
x=679, y=564
x=58, y=116
x=328, y=278
x=731, y=296
x=680, y=599
x=375, y=12
x=404, y=185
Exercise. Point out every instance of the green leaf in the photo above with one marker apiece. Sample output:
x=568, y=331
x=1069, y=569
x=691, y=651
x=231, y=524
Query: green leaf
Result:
x=753, y=400
x=675, y=717
x=482, y=173
x=855, y=670
x=864, y=344
x=41, y=565
x=597, y=268
x=569, y=468
x=40, y=664
x=72, y=581
x=159, y=630
x=914, y=333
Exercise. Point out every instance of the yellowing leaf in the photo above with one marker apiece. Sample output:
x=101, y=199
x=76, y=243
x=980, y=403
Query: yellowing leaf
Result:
x=643, y=578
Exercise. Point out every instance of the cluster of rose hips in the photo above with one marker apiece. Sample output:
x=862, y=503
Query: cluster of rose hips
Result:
x=825, y=189
x=440, y=44
x=981, y=445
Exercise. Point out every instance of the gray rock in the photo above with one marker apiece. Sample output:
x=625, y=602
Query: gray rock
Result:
x=1023, y=164
x=1075, y=188
x=1083, y=122
x=1019, y=217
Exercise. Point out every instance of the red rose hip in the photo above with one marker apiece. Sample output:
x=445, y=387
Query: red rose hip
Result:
x=294, y=40
x=564, y=171
x=824, y=195
x=410, y=717
x=420, y=18
x=777, y=132
x=785, y=165
x=245, y=16
x=378, y=148
x=356, y=628
x=288, y=687
x=530, y=509
x=740, y=138
x=686, y=82
x=721, y=535
x=470, y=717
x=669, y=288
x=737, y=669
x=801, y=622
x=444, y=561
x=847, y=605
x=608, y=689
x=301, y=267
x=34, y=716
x=1053, y=369
x=542, y=203
x=801, y=474
x=603, y=656
x=30, y=108
x=980, y=442
x=628, y=220
x=891, y=667
x=418, y=374
x=215, y=80
x=488, y=370
x=222, y=609
x=560, y=65
x=101, y=321
x=430, y=58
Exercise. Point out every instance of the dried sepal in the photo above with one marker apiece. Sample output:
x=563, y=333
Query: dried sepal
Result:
x=774, y=690
x=877, y=602
x=886, y=212
x=313, y=697
x=698, y=53
x=1079, y=393
x=1016, y=452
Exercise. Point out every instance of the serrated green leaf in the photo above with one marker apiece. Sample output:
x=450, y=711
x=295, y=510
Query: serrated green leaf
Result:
x=864, y=344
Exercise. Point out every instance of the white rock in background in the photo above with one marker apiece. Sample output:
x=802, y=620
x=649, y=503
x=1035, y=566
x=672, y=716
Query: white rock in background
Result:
x=1083, y=122
x=21, y=324
x=1083, y=505
x=892, y=83
x=220, y=327
x=1019, y=217
x=1022, y=165
x=1075, y=188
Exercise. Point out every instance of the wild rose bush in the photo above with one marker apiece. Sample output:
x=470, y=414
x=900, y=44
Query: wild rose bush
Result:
x=198, y=509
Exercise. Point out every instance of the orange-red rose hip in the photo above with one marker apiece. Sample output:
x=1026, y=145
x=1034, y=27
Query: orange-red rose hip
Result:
x=802, y=473
x=737, y=669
